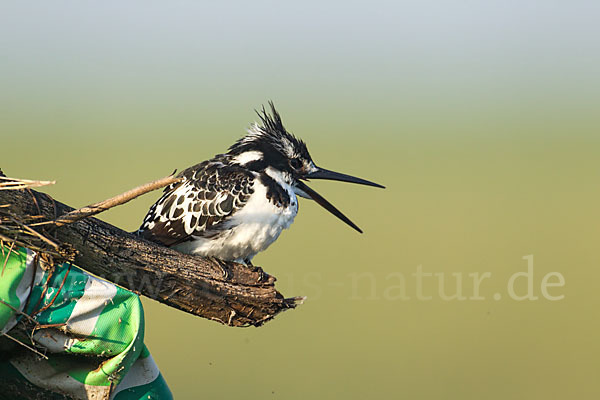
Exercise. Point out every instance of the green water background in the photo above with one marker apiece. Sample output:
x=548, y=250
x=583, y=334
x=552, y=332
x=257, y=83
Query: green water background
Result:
x=481, y=118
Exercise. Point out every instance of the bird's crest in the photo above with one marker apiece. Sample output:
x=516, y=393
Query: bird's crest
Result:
x=270, y=132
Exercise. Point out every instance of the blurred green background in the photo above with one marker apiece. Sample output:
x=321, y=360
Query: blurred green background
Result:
x=481, y=118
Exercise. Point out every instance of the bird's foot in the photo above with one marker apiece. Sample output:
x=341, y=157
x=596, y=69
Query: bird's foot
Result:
x=262, y=276
x=224, y=270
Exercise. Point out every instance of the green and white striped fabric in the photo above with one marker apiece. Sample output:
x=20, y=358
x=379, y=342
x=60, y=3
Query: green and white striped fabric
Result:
x=95, y=347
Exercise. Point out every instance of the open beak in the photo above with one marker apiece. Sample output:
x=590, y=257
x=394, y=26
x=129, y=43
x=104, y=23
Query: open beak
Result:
x=322, y=173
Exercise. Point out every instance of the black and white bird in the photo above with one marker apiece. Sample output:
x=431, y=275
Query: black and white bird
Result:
x=236, y=204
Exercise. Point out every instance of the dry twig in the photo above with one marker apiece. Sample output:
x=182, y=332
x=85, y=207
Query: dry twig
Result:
x=17, y=184
x=123, y=198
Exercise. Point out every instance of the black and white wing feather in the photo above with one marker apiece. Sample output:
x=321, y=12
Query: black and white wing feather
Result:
x=200, y=205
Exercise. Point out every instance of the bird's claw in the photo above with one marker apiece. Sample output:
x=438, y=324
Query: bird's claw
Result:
x=224, y=270
x=261, y=274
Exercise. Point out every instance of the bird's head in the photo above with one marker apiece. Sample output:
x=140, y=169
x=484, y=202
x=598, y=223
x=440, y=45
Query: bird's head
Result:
x=270, y=148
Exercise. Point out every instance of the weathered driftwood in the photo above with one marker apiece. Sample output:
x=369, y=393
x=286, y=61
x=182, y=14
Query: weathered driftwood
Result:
x=227, y=292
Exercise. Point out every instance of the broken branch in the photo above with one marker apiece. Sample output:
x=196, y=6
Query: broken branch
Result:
x=227, y=292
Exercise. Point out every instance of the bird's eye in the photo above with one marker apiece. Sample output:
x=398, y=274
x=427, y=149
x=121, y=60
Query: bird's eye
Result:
x=295, y=163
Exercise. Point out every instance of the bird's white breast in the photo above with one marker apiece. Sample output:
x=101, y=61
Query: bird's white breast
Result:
x=250, y=230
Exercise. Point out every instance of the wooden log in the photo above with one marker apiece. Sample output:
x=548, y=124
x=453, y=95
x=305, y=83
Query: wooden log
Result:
x=227, y=292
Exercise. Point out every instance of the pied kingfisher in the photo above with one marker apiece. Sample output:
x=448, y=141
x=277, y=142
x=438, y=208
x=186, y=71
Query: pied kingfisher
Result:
x=236, y=204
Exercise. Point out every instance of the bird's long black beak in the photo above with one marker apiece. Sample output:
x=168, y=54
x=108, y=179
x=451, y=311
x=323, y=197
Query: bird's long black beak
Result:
x=322, y=173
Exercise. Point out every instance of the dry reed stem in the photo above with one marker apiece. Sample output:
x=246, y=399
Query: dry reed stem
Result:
x=17, y=184
x=123, y=198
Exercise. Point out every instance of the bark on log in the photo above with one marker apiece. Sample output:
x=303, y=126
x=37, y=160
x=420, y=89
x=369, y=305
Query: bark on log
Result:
x=227, y=292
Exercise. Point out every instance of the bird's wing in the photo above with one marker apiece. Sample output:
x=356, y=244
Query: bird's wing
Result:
x=210, y=193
